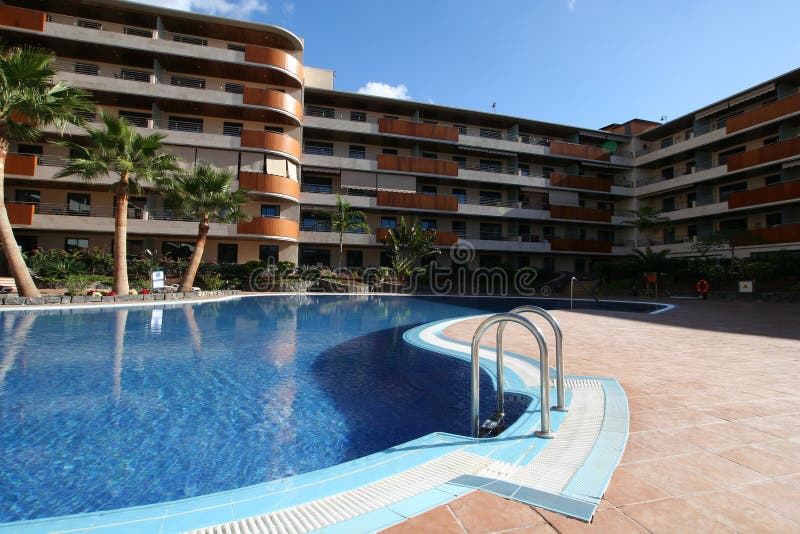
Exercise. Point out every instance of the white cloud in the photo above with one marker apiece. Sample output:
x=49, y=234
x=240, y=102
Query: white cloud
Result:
x=571, y=5
x=224, y=8
x=288, y=9
x=399, y=91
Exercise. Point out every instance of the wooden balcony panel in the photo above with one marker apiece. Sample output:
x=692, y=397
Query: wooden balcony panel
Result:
x=580, y=182
x=773, y=111
x=269, y=226
x=273, y=57
x=254, y=96
x=417, y=201
x=388, y=162
x=446, y=239
x=269, y=183
x=765, y=154
x=381, y=234
x=788, y=233
x=765, y=195
x=559, y=148
x=579, y=214
x=21, y=164
x=20, y=213
x=271, y=141
x=20, y=17
x=580, y=245
x=418, y=129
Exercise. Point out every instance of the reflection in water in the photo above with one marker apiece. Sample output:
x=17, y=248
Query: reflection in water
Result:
x=194, y=329
x=16, y=327
x=156, y=319
x=120, y=322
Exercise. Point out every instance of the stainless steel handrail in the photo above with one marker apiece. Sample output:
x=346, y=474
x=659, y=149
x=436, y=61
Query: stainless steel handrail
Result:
x=561, y=403
x=544, y=371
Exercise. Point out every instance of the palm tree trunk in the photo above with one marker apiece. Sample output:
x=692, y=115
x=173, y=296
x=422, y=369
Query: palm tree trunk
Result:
x=120, y=282
x=341, y=250
x=197, y=255
x=14, y=259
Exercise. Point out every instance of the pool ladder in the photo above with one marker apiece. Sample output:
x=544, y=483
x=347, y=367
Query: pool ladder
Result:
x=491, y=425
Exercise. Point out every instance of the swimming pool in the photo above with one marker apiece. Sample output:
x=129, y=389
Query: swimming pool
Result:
x=105, y=408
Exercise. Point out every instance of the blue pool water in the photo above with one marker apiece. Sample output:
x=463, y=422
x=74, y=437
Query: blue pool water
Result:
x=106, y=408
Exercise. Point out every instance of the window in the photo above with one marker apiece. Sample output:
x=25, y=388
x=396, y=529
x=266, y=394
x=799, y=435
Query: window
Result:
x=270, y=210
x=177, y=249
x=389, y=151
x=190, y=40
x=29, y=196
x=268, y=253
x=357, y=152
x=274, y=129
x=523, y=261
x=78, y=203
x=462, y=130
x=28, y=243
x=549, y=264
x=606, y=235
x=668, y=173
x=491, y=134
x=548, y=233
x=668, y=204
x=135, y=118
x=689, y=168
x=236, y=47
x=36, y=150
x=547, y=171
x=75, y=243
x=185, y=124
x=691, y=200
x=688, y=134
x=429, y=155
x=138, y=32
x=459, y=228
x=490, y=165
x=227, y=252
x=580, y=265
x=428, y=189
x=310, y=223
x=726, y=190
x=315, y=256
x=354, y=258
x=236, y=88
x=232, y=129
x=318, y=148
x=774, y=219
x=770, y=140
x=666, y=142
x=491, y=231
x=524, y=169
x=135, y=75
x=186, y=81
x=316, y=111
x=358, y=116
x=772, y=180
x=461, y=161
x=88, y=69
x=490, y=198
x=461, y=194
x=428, y=224
x=607, y=206
x=733, y=224
x=91, y=24
x=389, y=222
x=357, y=230
x=669, y=235
x=317, y=184
x=691, y=231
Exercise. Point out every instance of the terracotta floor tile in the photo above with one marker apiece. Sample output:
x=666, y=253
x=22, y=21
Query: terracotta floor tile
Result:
x=484, y=512
x=783, y=426
x=610, y=520
x=763, y=461
x=625, y=488
x=634, y=453
x=721, y=471
x=666, y=475
x=786, y=448
x=544, y=528
x=740, y=513
x=776, y=495
x=439, y=520
x=663, y=443
x=671, y=516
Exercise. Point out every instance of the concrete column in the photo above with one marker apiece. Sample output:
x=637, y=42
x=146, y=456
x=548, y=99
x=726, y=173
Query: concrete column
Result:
x=513, y=132
x=702, y=160
x=785, y=90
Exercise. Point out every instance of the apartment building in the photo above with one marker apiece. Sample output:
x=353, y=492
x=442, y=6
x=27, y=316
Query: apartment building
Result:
x=513, y=191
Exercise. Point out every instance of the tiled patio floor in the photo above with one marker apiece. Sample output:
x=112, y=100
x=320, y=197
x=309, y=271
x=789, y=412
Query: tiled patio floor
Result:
x=714, y=393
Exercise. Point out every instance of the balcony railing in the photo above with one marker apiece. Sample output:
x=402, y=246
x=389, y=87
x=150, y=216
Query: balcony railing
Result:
x=580, y=245
x=418, y=129
x=774, y=110
x=269, y=226
x=765, y=195
x=443, y=239
x=787, y=233
x=560, y=148
x=417, y=201
x=417, y=165
x=766, y=154
x=580, y=182
x=20, y=213
x=273, y=57
x=85, y=210
x=579, y=213
x=21, y=164
x=20, y=17
x=269, y=183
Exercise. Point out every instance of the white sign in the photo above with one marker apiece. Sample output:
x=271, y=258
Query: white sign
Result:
x=158, y=279
x=745, y=286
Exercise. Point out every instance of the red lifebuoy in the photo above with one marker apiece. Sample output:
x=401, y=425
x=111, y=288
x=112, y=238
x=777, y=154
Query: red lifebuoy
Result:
x=702, y=287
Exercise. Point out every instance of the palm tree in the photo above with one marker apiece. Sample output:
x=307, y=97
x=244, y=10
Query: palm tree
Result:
x=343, y=218
x=204, y=193
x=647, y=219
x=649, y=261
x=29, y=101
x=407, y=243
x=136, y=158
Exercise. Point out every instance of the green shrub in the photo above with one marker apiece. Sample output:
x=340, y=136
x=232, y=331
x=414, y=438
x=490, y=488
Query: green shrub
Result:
x=213, y=282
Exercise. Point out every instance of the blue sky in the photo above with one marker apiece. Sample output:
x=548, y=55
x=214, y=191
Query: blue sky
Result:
x=579, y=62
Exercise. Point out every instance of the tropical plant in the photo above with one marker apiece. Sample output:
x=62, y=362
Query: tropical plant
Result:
x=408, y=243
x=343, y=219
x=649, y=261
x=647, y=220
x=204, y=193
x=29, y=101
x=119, y=149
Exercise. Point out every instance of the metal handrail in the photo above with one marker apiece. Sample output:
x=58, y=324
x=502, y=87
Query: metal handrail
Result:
x=544, y=372
x=561, y=403
x=571, y=284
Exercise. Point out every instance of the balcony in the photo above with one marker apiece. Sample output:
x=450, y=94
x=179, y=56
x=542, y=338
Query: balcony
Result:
x=580, y=182
x=387, y=162
x=270, y=98
x=578, y=213
x=418, y=129
x=775, y=110
x=417, y=201
x=580, y=245
x=19, y=17
x=274, y=141
x=20, y=213
x=765, y=195
x=273, y=227
x=559, y=148
x=269, y=184
x=788, y=233
x=274, y=58
x=765, y=154
x=443, y=239
x=21, y=164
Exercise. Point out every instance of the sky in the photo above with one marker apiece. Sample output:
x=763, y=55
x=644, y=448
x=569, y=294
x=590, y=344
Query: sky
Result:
x=578, y=62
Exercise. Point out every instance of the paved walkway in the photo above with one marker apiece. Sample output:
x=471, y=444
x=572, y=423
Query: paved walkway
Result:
x=714, y=393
